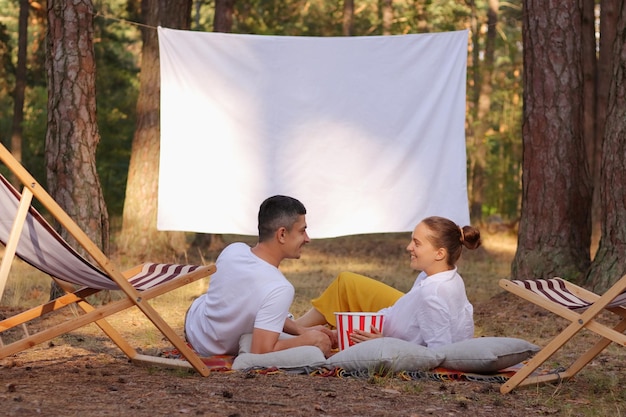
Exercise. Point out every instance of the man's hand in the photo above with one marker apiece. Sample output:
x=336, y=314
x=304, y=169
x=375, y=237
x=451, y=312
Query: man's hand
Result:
x=332, y=334
x=291, y=327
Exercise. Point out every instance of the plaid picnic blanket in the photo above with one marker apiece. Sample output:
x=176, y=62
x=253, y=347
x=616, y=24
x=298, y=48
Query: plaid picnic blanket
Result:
x=217, y=363
x=223, y=363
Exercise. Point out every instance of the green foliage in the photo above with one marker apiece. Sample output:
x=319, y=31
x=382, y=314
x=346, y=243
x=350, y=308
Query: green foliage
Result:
x=202, y=15
x=504, y=169
x=324, y=18
x=118, y=47
x=503, y=138
x=505, y=157
x=34, y=131
x=295, y=18
x=447, y=15
x=7, y=71
x=35, y=119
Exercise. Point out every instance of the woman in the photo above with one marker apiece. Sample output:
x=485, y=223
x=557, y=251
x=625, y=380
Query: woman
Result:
x=434, y=312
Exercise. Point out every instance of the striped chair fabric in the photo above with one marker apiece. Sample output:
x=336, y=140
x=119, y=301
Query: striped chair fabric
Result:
x=555, y=290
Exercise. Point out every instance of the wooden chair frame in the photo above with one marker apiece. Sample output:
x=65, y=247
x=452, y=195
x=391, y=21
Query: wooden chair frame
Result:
x=133, y=297
x=585, y=318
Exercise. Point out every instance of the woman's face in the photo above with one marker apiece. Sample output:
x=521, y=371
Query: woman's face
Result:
x=424, y=256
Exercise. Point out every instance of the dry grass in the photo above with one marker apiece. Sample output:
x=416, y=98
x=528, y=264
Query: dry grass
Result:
x=381, y=256
x=597, y=392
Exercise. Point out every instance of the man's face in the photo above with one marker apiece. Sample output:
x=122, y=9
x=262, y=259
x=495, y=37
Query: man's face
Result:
x=295, y=239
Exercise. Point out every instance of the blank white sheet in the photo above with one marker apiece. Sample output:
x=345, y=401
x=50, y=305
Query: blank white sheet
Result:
x=368, y=132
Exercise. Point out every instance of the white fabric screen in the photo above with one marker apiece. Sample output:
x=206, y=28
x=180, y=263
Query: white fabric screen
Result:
x=368, y=132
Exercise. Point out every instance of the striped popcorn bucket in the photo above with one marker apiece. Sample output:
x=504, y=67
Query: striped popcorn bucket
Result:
x=349, y=322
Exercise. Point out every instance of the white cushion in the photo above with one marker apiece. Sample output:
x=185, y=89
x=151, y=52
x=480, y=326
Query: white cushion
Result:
x=486, y=354
x=297, y=357
x=386, y=354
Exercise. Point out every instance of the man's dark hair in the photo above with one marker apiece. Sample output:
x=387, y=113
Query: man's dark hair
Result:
x=276, y=212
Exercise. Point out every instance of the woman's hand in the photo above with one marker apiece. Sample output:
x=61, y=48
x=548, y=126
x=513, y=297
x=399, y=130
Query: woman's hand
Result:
x=358, y=336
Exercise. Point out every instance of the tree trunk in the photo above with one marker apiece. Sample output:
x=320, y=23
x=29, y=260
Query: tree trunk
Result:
x=20, y=82
x=197, y=6
x=348, y=17
x=387, y=12
x=223, y=21
x=139, y=234
x=610, y=261
x=483, y=104
x=473, y=99
x=608, y=23
x=555, y=226
x=589, y=67
x=72, y=135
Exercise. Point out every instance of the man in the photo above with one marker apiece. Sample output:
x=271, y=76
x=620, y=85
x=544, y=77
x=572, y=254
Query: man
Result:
x=249, y=294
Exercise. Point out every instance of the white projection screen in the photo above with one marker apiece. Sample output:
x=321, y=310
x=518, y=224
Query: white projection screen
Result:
x=368, y=132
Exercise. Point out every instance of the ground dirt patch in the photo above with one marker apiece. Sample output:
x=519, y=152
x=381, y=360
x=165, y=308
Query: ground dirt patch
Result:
x=70, y=377
x=83, y=374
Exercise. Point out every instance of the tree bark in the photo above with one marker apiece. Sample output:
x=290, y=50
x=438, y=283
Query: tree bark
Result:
x=20, y=83
x=589, y=66
x=223, y=21
x=608, y=24
x=72, y=135
x=555, y=226
x=610, y=261
x=387, y=16
x=139, y=234
x=483, y=104
x=348, y=17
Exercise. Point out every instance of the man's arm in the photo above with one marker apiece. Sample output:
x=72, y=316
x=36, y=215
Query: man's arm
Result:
x=292, y=327
x=264, y=341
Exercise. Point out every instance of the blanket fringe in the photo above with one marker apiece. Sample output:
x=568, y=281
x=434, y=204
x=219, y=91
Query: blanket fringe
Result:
x=223, y=363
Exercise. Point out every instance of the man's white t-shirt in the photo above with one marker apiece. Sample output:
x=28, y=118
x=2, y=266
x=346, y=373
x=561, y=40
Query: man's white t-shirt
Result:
x=435, y=312
x=244, y=293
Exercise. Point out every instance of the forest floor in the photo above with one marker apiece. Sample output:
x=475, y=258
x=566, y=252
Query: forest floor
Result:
x=82, y=373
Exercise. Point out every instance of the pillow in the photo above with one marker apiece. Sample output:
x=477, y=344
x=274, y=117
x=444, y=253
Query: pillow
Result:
x=486, y=354
x=386, y=354
x=296, y=357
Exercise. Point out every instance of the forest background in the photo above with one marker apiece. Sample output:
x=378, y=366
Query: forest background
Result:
x=543, y=124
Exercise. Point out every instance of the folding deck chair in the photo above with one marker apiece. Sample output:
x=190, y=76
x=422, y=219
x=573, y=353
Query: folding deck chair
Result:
x=25, y=233
x=582, y=308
